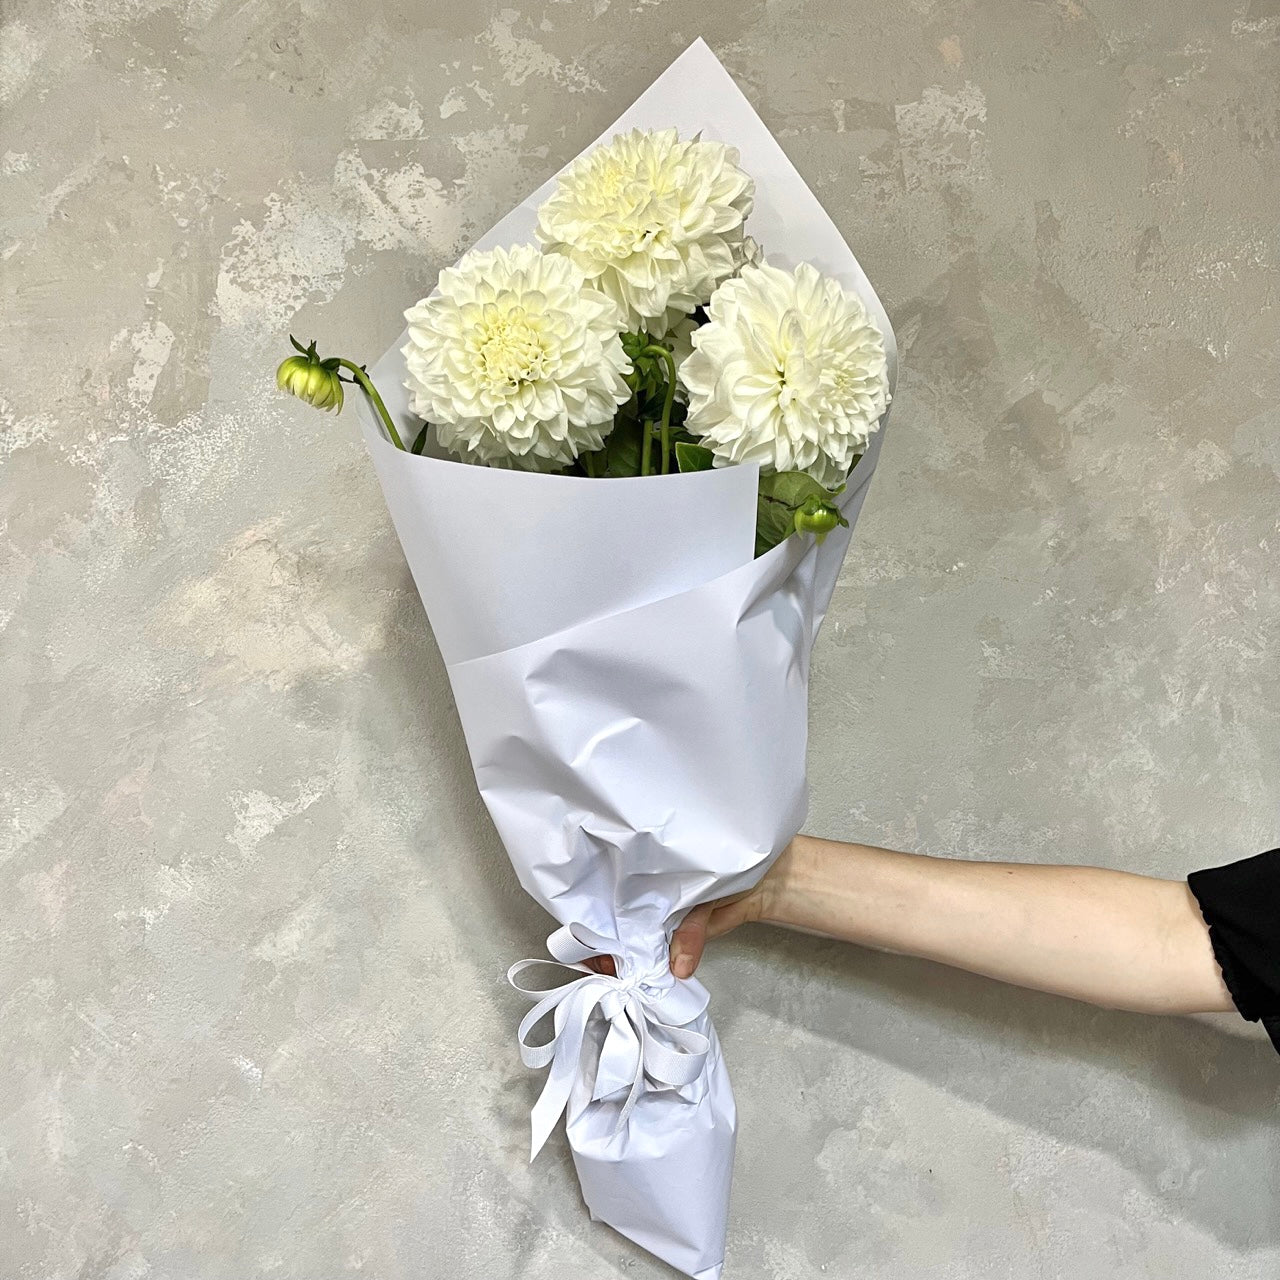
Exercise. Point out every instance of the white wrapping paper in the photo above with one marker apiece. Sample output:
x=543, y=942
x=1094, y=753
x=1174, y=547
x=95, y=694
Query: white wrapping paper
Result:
x=633, y=687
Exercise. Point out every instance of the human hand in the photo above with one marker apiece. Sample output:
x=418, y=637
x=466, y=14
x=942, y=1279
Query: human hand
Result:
x=703, y=923
x=710, y=920
x=713, y=919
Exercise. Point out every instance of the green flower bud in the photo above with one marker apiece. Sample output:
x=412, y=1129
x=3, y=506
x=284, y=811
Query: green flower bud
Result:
x=818, y=517
x=311, y=379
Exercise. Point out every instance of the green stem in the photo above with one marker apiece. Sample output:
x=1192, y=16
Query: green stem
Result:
x=372, y=392
x=667, y=401
x=646, y=446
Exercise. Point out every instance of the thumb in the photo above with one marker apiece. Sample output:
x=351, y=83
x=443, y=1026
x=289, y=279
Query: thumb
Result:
x=689, y=940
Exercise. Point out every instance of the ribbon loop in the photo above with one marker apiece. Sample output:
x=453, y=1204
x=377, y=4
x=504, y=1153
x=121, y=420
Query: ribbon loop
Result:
x=648, y=1038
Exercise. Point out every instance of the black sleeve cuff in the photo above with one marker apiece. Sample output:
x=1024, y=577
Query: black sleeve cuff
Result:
x=1241, y=906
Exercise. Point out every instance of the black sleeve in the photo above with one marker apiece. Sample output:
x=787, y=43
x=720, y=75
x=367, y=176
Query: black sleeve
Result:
x=1241, y=905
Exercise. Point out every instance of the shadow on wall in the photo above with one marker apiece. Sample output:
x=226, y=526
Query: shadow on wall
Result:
x=1144, y=1091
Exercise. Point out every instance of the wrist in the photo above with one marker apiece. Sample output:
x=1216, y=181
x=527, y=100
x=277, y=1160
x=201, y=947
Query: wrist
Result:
x=783, y=889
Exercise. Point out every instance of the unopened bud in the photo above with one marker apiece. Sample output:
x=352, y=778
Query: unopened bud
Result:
x=817, y=517
x=311, y=379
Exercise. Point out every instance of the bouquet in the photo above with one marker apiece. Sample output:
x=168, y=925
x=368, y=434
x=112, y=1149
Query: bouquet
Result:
x=624, y=449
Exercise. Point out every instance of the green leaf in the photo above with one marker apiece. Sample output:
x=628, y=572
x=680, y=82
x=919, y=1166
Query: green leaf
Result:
x=621, y=453
x=791, y=488
x=694, y=457
x=420, y=440
x=774, y=523
x=633, y=344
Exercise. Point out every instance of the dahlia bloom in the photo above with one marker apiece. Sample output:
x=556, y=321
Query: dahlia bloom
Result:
x=516, y=360
x=789, y=372
x=653, y=221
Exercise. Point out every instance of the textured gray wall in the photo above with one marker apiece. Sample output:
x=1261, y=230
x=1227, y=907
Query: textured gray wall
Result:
x=253, y=919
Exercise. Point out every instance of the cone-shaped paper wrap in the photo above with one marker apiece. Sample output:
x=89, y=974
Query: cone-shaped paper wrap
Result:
x=634, y=691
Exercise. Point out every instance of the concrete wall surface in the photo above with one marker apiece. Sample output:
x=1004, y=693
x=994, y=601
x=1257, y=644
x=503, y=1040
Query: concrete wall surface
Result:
x=253, y=917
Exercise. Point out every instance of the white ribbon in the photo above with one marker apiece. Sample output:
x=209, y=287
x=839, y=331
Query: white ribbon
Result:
x=648, y=1037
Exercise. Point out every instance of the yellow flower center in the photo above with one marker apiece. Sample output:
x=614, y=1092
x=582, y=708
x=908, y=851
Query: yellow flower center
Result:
x=612, y=178
x=511, y=347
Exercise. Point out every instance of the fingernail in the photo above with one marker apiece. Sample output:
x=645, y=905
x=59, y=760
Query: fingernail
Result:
x=683, y=966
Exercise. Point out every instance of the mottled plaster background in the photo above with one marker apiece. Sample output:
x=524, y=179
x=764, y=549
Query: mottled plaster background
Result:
x=253, y=918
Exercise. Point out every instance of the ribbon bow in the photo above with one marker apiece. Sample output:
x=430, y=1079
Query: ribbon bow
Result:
x=647, y=1038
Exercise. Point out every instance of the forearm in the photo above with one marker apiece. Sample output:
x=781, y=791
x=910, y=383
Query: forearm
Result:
x=1108, y=937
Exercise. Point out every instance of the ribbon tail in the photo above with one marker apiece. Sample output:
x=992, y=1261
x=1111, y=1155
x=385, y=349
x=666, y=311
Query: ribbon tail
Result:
x=620, y=1055
x=565, y=1064
x=637, y=1082
x=547, y=1111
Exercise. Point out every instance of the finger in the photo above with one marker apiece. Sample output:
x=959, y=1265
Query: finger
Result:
x=602, y=964
x=688, y=941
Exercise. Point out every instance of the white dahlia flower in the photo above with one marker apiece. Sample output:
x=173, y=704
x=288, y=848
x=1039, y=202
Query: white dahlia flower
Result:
x=789, y=372
x=516, y=361
x=654, y=222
